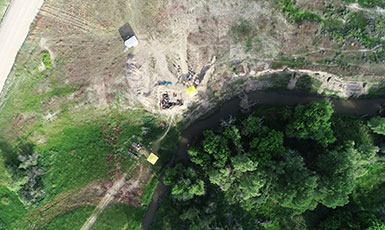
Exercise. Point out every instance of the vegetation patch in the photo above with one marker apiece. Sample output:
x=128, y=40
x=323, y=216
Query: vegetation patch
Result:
x=120, y=217
x=279, y=81
x=297, y=15
x=307, y=84
x=46, y=59
x=300, y=62
x=245, y=33
x=274, y=169
x=71, y=220
x=11, y=208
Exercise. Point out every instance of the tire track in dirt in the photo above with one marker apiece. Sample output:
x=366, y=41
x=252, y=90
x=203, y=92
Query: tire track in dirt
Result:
x=66, y=17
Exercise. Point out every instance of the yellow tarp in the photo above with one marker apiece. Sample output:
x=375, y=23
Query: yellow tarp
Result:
x=192, y=91
x=152, y=158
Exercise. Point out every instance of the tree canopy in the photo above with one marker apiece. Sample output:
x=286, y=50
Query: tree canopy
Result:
x=265, y=170
x=377, y=124
x=312, y=121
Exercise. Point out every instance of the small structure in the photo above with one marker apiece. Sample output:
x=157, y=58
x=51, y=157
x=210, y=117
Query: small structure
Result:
x=128, y=36
x=192, y=91
x=136, y=146
x=152, y=158
x=131, y=42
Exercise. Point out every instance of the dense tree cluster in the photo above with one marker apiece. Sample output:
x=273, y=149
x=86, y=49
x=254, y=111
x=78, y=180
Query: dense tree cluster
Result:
x=296, y=166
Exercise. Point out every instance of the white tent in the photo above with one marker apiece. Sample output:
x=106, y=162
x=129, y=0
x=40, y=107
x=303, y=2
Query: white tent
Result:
x=131, y=42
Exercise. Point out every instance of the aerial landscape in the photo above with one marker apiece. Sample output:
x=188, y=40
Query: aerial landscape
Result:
x=192, y=114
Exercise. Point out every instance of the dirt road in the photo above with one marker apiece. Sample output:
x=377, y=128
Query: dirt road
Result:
x=13, y=31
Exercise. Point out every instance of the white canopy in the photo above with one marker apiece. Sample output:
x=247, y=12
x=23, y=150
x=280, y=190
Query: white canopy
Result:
x=131, y=42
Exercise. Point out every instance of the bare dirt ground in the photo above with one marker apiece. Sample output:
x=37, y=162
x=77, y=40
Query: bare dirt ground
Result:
x=14, y=29
x=190, y=34
x=177, y=37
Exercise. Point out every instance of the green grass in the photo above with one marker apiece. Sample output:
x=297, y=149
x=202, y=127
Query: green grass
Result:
x=46, y=59
x=122, y=217
x=279, y=81
x=77, y=154
x=11, y=208
x=297, y=15
x=75, y=157
x=307, y=84
x=71, y=220
x=148, y=191
x=30, y=92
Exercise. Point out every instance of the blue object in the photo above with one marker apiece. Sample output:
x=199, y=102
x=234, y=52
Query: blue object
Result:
x=165, y=83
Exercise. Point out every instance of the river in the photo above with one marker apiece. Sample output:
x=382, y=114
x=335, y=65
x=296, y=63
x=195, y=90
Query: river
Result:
x=341, y=106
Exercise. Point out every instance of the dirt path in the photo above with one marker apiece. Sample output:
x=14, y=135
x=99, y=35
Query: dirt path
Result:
x=155, y=145
x=109, y=197
x=376, y=10
x=13, y=31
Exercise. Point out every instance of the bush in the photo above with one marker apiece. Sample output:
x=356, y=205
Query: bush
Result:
x=46, y=59
x=377, y=124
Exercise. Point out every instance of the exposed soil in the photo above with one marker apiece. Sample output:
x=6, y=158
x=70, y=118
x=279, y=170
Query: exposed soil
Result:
x=177, y=37
x=121, y=191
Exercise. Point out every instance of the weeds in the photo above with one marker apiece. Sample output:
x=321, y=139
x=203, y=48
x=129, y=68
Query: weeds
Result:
x=71, y=220
x=245, y=32
x=296, y=15
x=46, y=59
x=120, y=217
x=11, y=208
x=307, y=84
x=300, y=62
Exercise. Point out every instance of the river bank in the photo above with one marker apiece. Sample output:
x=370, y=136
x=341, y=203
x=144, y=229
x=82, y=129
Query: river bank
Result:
x=361, y=107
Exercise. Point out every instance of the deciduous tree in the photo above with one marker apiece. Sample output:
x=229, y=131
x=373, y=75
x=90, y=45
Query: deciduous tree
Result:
x=312, y=121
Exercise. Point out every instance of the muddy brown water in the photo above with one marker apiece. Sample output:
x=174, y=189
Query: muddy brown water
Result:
x=361, y=107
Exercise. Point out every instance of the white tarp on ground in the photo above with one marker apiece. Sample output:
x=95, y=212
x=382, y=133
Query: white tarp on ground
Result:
x=13, y=31
x=131, y=42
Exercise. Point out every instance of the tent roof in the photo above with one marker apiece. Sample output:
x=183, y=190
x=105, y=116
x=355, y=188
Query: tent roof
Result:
x=192, y=91
x=152, y=158
x=131, y=42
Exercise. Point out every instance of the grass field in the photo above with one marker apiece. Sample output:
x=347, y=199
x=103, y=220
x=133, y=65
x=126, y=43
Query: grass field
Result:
x=72, y=145
x=71, y=220
x=11, y=208
x=120, y=217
